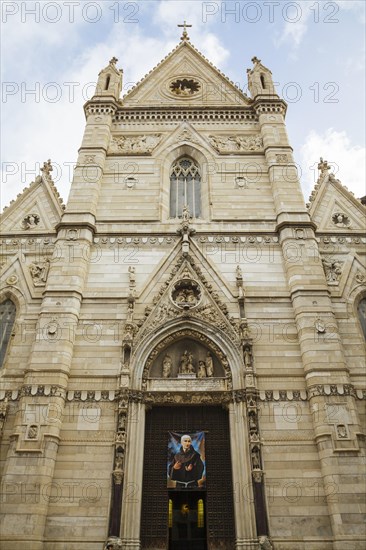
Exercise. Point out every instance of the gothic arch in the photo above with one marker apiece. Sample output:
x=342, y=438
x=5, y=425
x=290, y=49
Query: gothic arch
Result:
x=202, y=157
x=212, y=337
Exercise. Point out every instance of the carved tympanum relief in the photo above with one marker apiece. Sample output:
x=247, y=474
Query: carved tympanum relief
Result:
x=185, y=87
x=186, y=358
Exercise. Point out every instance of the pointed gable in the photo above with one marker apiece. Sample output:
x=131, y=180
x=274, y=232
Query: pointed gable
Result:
x=185, y=78
x=37, y=210
x=333, y=207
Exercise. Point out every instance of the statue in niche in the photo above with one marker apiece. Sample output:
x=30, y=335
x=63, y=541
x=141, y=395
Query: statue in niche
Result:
x=255, y=458
x=167, y=366
x=247, y=357
x=186, y=294
x=209, y=365
x=186, y=363
x=201, y=369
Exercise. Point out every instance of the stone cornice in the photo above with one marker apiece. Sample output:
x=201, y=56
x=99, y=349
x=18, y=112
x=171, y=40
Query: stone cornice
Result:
x=179, y=397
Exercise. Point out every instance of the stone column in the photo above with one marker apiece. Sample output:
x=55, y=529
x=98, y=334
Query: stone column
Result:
x=132, y=489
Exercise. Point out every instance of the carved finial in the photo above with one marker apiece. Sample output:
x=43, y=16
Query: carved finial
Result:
x=323, y=166
x=184, y=34
x=113, y=61
x=255, y=60
x=47, y=168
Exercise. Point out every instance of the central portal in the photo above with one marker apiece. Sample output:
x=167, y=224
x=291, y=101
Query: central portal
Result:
x=187, y=522
x=187, y=493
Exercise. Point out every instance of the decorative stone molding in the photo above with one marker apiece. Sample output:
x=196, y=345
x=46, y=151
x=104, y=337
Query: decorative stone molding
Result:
x=236, y=144
x=236, y=395
x=239, y=115
x=134, y=145
x=100, y=109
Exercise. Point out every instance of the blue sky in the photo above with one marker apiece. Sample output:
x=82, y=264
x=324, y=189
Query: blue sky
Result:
x=52, y=53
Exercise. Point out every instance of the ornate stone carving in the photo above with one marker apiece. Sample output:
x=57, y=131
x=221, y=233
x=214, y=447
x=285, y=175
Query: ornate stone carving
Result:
x=3, y=413
x=186, y=365
x=186, y=135
x=332, y=269
x=320, y=326
x=30, y=221
x=360, y=277
x=167, y=366
x=39, y=272
x=113, y=543
x=281, y=158
x=32, y=432
x=196, y=336
x=341, y=220
x=247, y=356
x=186, y=294
x=236, y=144
x=132, y=145
x=12, y=280
x=265, y=543
x=342, y=431
x=185, y=87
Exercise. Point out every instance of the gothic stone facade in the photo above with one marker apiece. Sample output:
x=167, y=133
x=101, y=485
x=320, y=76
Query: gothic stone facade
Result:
x=185, y=287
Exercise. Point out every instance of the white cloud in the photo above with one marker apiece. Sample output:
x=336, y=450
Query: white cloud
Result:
x=346, y=159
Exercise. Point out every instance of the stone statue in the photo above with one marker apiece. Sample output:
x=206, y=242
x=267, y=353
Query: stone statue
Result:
x=255, y=458
x=201, y=369
x=247, y=357
x=132, y=275
x=167, y=366
x=209, y=365
x=185, y=214
x=186, y=363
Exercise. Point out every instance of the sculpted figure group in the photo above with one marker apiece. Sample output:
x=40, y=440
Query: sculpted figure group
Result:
x=188, y=365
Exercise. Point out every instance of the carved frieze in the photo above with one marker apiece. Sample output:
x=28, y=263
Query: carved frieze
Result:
x=236, y=144
x=134, y=145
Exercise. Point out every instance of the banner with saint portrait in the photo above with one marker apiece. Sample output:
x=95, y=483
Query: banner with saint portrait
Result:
x=186, y=468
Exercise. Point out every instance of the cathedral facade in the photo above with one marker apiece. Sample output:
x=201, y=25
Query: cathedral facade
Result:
x=183, y=343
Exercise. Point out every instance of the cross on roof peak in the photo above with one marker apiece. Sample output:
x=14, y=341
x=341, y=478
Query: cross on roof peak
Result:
x=184, y=34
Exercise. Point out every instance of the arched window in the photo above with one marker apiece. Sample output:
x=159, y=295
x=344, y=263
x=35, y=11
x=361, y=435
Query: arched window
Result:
x=108, y=79
x=361, y=310
x=7, y=318
x=185, y=188
x=263, y=82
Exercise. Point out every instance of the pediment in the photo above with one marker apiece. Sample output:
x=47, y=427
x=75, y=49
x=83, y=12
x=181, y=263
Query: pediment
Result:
x=15, y=275
x=187, y=294
x=185, y=78
x=336, y=209
x=37, y=210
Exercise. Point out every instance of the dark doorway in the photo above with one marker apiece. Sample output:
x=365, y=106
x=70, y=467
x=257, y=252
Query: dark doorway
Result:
x=218, y=499
x=187, y=521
